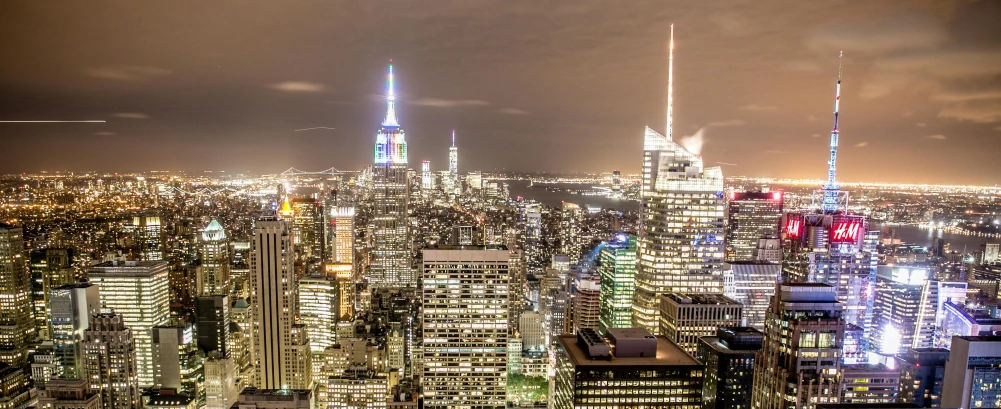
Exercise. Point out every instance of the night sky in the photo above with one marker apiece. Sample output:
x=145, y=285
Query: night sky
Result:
x=527, y=85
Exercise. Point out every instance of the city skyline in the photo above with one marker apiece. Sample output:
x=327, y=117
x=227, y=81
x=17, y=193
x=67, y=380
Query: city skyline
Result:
x=565, y=88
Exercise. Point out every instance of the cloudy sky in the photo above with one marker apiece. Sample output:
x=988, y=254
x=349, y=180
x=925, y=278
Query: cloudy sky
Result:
x=527, y=85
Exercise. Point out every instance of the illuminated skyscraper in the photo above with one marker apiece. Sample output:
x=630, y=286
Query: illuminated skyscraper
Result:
x=307, y=229
x=177, y=362
x=972, y=373
x=829, y=245
x=453, y=167
x=17, y=326
x=680, y=248
x=617, y=266
x=147, y=235
x=729, y=360
x=212, y=277
x=72, y=307
x=799, y=364
x=684, y=318
x=50, y=268
x=139, y=292
x=427, y=178
x=342, y=246
x=318, y=309
x=586, y=302
x=390, y=265
x=571, y=242
x=465, y=343
x=282, y=345
x=109, y=352
x=751, y=216
x=632, y=369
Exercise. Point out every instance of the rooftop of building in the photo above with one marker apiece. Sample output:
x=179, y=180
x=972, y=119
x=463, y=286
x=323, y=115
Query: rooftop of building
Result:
x=980, y=338
x=865, y=368
x=129, y=265
x=701, y=299
x=466, y=247
x=866, y=405
x=252, y=394
x=668, y=353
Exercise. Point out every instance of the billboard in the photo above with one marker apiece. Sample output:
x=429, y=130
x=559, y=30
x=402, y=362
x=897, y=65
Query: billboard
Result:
x=847, y=230
x=793, y=228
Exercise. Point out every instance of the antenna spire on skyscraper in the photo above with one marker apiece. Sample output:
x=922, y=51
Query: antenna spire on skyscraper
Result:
x=453, y=137
x=831, y=188
x=390, y=100
x=670, y=86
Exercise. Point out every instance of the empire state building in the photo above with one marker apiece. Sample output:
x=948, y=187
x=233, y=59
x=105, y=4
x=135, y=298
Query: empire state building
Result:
x=390, y=265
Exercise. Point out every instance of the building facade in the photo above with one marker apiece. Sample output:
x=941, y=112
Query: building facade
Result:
x=617, y=267
x=631, y=369
x=751, y=216
x=391, y=256
x=139, y=291
x=17, y=325
x=799, y=365
x=729, y=361
x=110, y=363
x=465, y=327
x=281, y=345
x=684, y=318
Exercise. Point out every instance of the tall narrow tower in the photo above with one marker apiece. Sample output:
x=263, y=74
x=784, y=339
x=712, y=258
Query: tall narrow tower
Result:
x=680, y=248
x=453, y=166
x=390, y=267
x=832, y=194
x=281, y=343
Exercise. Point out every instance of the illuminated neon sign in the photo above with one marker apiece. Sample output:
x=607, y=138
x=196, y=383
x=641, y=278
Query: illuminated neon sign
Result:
x=846, y=231
x=793, y=228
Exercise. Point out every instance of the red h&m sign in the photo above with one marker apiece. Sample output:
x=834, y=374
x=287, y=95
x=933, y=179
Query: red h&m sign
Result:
x=846, y=231
x=794, y=227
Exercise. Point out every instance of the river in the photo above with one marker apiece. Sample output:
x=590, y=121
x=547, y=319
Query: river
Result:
x=926, y=238
x=556, y=199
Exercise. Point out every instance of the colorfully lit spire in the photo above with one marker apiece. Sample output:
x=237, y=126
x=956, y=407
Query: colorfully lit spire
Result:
x=831, y=188
x=670, y=86
x=390, y=101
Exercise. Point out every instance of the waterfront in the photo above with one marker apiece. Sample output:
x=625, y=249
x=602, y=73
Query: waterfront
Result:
x=926, y=237
x=556, y=199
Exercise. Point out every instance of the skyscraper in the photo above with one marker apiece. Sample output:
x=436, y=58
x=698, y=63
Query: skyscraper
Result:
x=680, y=248
x=617, y=267
x=571, y=242
x=800, y=363
x=465, y=343
x=177, y=362
x=632, y=369
x=427, y=178
x=752, y=285
x=138, y=292
x=922, y=374
x=318, y=309
x=898, y=308
x=453, y=168
x=307, y=230
x=282, y=346
x=686, y=317
x=72, y=307
x=212, y=321
x=972, y=373
x=17, y=326
x=390, y=264
x=109, y=352
x=49, y=268
x=829, y=245
x=146, y=230
x=729, y=361
x=751, y=216
x=586, y=301
x=343, y=245
x=213, y=273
